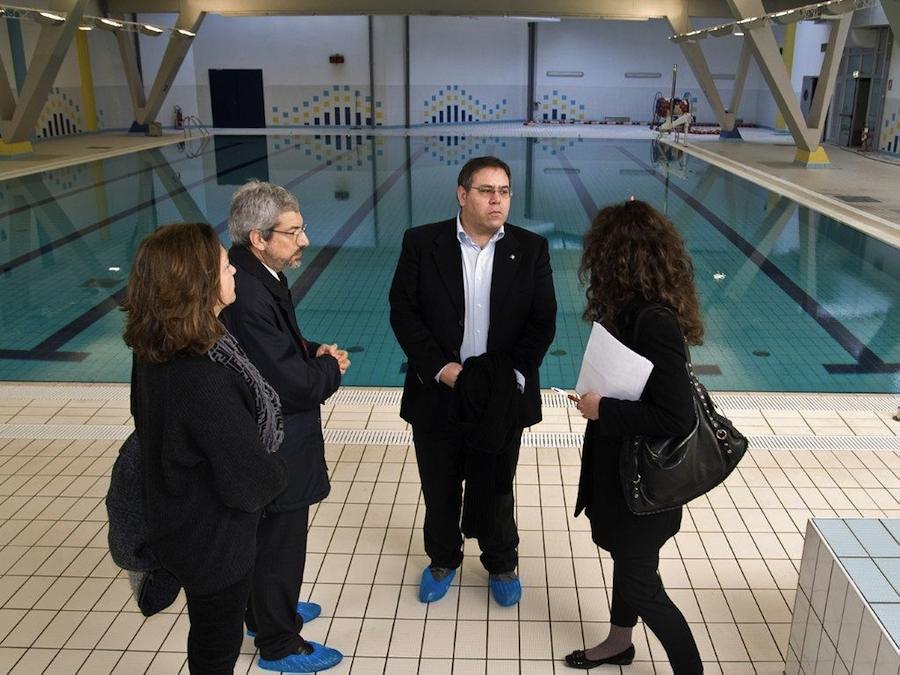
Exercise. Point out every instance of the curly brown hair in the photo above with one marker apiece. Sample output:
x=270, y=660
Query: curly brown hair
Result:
x=173, y=292
x=631, y=250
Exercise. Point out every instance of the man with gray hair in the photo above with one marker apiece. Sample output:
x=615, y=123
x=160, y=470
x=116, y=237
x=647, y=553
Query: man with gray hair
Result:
x=268, y=234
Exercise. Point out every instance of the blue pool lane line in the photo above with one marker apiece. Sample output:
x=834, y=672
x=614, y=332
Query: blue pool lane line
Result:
x=94, y=186
x=93, y=227
x=313, y=271
x=867, y=361
x=49, y=349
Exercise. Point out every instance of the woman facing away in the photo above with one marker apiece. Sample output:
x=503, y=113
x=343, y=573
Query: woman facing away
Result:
x=208, y=425
x=635, y=266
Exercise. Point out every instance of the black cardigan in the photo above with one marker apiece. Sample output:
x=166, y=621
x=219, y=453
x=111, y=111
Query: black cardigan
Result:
x=206, y=474
x=665, y=409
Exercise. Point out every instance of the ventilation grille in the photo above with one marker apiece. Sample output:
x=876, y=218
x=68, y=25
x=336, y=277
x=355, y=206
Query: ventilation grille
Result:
x=74, y=392
x=88, y=432
x=348, y=396
x=103, y=432
x=390, y=397
x=866, y=443
x=367, y=437
x=773, y=401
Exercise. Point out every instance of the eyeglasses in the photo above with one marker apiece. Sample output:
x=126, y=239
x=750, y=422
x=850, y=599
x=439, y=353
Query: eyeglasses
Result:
x=295, y=233
x=488, y=190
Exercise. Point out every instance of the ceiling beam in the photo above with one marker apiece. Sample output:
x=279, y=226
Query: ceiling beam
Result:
x=588, y=9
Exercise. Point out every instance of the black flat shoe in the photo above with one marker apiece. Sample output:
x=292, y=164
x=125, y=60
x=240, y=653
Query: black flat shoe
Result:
x=577, y=659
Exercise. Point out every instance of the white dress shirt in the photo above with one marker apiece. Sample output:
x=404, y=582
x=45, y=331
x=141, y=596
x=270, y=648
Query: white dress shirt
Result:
x=478, y=271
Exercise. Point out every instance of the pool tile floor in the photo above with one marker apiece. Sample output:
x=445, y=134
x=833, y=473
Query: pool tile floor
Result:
x=733, y=569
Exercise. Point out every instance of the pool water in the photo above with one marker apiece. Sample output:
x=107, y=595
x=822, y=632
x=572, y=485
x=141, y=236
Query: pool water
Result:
x=792, y=300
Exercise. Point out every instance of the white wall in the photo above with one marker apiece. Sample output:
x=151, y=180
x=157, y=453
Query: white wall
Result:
x=605, y=50
x=808, y=54
x=293, y=55
x=889, y=135
x=479, y=65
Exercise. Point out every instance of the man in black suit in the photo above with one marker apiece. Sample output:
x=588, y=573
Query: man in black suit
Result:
x=268, y=235
x=464, y=287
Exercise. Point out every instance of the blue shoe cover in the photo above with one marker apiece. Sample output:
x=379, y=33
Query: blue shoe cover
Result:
x=432, y=590
x=308, y=611
x=321, y=658
x=507, y=592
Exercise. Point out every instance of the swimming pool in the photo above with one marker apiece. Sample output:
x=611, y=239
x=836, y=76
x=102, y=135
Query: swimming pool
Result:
x=792, y=300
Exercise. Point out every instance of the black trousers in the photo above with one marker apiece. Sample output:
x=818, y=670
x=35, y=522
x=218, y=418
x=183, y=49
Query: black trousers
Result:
x=440, y=455
x=277, y=576
x=217, y=628
x=638, y=592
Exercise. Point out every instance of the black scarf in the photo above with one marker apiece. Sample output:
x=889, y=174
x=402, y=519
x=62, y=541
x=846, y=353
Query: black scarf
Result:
x=269, y=422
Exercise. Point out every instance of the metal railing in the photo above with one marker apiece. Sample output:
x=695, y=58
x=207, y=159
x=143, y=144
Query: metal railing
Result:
x=195, y=130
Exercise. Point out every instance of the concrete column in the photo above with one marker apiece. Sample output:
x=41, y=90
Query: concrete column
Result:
x=730, y=131
x=765, y=49
x=88, y=104
x=52, y=45
x=189, y=19
x=680, y=23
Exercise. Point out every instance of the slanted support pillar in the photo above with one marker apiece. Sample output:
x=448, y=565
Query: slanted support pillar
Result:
x=189, y=19
x=680, y=23
x=807, y=135
x=828, y=74
x=729, y=131
x=18, y=120
x=127, y=51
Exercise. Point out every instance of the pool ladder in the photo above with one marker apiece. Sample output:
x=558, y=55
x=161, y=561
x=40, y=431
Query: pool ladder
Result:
x=194, y=129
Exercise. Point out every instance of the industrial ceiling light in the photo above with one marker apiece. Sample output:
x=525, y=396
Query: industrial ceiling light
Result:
x=88, y=23
x=787, y=16
x=109, y=24
x=536, y=19
x=48, y=18
x=751, y=22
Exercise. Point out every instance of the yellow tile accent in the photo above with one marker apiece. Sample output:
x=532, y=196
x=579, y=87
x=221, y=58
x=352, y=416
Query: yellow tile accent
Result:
x=15, y=149
x=817, y=159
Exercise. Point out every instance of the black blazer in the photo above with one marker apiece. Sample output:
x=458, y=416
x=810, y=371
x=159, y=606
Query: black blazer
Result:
x=264, y=321
x=428, y=310
x=665, y=409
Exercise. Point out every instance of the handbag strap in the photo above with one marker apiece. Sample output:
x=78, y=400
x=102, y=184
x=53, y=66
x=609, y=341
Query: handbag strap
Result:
x=637, y=322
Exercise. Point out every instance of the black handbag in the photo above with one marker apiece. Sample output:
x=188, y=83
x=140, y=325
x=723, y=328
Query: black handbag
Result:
x=660, y=474
x=153, y=587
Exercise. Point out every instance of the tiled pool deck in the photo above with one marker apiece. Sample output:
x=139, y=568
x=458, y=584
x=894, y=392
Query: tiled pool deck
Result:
x=733, y=569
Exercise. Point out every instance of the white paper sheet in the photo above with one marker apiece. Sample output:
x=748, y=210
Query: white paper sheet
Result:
x=611, y=369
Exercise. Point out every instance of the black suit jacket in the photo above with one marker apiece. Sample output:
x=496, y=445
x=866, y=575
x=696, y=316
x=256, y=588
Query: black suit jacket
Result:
x=264, y=321
x=428, y=310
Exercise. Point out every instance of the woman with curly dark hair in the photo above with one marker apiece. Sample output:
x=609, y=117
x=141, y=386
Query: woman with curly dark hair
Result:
x=208, y=425
x=640, y=287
